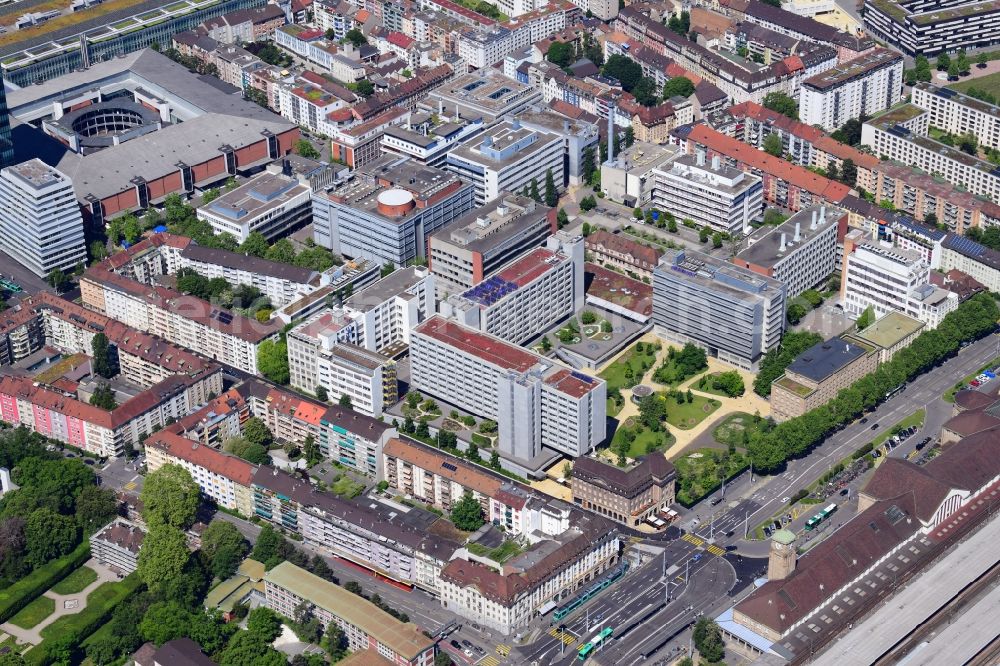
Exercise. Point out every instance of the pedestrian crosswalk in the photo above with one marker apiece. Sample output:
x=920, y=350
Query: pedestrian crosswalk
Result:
x=563, y=636
x=700, y=543
x=690, y=538
x=489, y=660
x=503, y=650
x=130, y=485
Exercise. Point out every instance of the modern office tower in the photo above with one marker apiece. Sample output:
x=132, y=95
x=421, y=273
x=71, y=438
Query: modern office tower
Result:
x=801, y=252
x=6, y=142
x=387, y=209
x=708, y=193
x=41, y=226
x=735, y=314
x=478, y=244
x=508, y=158
x=535, y=401
x=527, y=296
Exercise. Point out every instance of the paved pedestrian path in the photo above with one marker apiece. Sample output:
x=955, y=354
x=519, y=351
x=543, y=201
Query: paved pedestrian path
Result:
x=33, y=635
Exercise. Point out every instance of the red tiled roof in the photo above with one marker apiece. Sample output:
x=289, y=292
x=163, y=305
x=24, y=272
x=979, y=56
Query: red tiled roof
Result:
x=362, y=15
x=400, y=40
x=768, y=164
x=844, y=152
x=461, y=472
x=528, y=268
x=896, y=477
x=486, y=347
x=761, y=114
x=572, y=384
x=233, y=468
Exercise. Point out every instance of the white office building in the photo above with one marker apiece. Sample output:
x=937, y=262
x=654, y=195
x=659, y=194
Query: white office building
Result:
x=710, y=194
x=508, y=157
x=323, y=352
x=387, y=310
x=40, y=225
x=860, y=87
x=959, y=114
x=888, y=279
x=527, y=296
x=536, y=402
x=271, y=204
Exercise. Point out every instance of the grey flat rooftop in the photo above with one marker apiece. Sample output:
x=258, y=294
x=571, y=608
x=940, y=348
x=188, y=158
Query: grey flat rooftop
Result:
x=504, y=136
x=36, y=173
x=766, y=241
x=391, y=285
x=825, y=358
x=469, y=234
x=255, y=198
x=717, y=275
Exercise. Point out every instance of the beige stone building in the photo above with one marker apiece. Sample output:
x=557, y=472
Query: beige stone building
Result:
x=818, y=374
x=627, y=495
x=890, y=334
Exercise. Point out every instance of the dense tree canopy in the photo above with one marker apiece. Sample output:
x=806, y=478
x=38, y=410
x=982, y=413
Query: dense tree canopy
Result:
x=170, y=497
x=467, y=514
x=163, y=556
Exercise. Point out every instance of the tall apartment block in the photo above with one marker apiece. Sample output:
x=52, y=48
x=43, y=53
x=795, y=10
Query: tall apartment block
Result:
x=959, y=114
x=536, y=401
x=528, y=295
x=476, y=245
x=271, y=204
x=386, y=210
x=316, y=357
x=709, y=193
x=41, y=226
x=735, y=314
x=860, y=87
x=801, y=252
x=387, y=310
x=901, y=135
x=889, y=279
x=507, y=158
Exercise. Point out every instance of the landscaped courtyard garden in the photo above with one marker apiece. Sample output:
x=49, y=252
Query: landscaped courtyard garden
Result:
x=701, y=472
x=736, y=429
x=679, y=366
x=627, y=371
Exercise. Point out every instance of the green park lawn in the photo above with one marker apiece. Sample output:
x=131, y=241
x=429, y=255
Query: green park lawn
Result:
x=690, y=414
x=614, y=374
x=730, y=430
x=76, y=581
x=704, y=384
x=34, y=612
x=646, y=441
x=990, y=83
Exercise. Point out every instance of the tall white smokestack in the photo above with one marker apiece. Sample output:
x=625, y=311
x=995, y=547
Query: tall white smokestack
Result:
x=822, y=214
x=611, y=134
x=701, y=157
x=798, y=232
x=812, y=224
x=782, y=248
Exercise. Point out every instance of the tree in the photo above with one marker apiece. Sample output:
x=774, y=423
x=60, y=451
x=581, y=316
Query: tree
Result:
x=782, y=103
x=551, y=193
x=866, y=319
x=336, y=642
x=356, y=37
x=255, y=245
x=587, y=203
x=95, y=506
x=772, y=145
x=645, y=92
x=848, y=172
x=49, y=535
x=560, y=54
x=710, y=645
x=345, y=401
x=703, y=234
x=467, y=514
x=953, y=70
x=270, y=547
x=982, y=59
x=282, y=251
x=629, y=136
x=533, y=191
x=272, y=360
x=58, y=280
x=562, y=219
x=312, y=451
x=365, y=88
x=423, y=430
x=264, y=624
x=164, y=621
x=963, y=63
x=796, y=312
x=104, y=397
x=717, y=240
x=623, y=69
x=246, y=649
x=131, y=229
x=969, y=143
x=306, y=149
x=163, y=555
x=495, y=460
x=678, y=86
x=730, y=383
x=588, y=317
x=170, y=497
x=101, y=355
x=943, y=62
x=223, y=548
x=652, y=411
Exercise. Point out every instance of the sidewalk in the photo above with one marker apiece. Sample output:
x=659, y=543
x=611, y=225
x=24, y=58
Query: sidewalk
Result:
x=33, y=635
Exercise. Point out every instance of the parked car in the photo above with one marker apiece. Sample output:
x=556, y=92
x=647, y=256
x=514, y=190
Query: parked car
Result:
x=455, y=644
x=845, y=491
x=864, y=419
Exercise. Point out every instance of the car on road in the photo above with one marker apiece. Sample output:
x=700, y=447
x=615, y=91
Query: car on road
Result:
x=455, y=644
x=715, y=501
x=874, y=426
x=845, y=491
x=466, y=644
x=864, y=419
x=697, y=556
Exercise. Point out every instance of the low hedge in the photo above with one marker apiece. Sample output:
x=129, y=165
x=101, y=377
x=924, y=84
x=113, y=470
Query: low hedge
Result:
x=75, y=629
x=24, y=591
